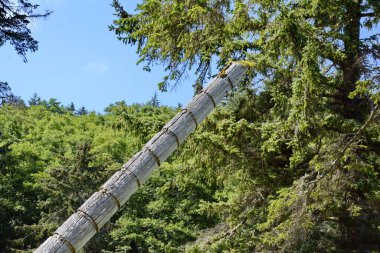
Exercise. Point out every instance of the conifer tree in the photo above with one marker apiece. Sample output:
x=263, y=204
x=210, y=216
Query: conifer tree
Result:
x=301, y=137
x=82, y=111
x=71, y=107
x=5, y=92
x=34, y=100
x=15, y=19
x=154, y=102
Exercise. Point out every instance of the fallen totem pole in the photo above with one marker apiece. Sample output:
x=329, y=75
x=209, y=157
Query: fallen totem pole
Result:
x=80, y=227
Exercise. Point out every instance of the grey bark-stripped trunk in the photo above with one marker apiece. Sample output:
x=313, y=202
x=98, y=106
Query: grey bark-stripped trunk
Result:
x=80, y=227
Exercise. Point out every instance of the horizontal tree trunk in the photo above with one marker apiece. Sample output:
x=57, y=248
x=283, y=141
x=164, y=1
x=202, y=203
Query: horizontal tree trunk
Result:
x=80, y=227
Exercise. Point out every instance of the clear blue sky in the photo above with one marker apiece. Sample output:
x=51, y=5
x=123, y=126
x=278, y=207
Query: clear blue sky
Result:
x=79, y=60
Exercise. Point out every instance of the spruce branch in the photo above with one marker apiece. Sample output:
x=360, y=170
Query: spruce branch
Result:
x=354, y=139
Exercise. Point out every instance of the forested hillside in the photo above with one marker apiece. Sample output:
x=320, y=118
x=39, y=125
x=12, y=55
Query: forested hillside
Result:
x=217, y=193
x=290, y=162
x=53, y=158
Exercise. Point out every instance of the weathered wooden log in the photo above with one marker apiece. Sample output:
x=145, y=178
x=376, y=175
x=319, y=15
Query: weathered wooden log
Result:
x=80, y=227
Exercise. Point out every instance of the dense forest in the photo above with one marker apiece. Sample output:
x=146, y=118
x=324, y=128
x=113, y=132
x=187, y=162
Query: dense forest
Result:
x=289, y=162
x=54, y=157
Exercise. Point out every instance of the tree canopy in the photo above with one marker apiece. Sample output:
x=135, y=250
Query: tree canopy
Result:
x=52, y=159
x=289, y=163
x=295, y=154
x=15, y=19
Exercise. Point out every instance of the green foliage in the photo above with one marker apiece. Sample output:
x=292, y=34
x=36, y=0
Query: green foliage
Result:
x=164, y=214
x=142, y=120
x=292, y=159
x=15, y=17
x=290, y=163
x=52, y=160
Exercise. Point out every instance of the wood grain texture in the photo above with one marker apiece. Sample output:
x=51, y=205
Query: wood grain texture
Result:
x=80, y=227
